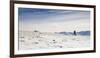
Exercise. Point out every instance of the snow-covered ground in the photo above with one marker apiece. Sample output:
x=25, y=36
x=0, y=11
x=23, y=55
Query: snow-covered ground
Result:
x=46, y=40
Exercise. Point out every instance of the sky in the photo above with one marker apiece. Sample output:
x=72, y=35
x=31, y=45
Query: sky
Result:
x=53, y=20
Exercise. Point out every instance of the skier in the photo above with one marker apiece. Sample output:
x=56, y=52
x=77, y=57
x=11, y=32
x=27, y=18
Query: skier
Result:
x=74, y=33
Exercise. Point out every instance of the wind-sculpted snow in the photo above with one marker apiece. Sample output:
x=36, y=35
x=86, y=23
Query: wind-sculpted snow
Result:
x=46, y=40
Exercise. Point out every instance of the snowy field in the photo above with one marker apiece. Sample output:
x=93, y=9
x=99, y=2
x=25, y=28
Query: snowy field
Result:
x=46, y=40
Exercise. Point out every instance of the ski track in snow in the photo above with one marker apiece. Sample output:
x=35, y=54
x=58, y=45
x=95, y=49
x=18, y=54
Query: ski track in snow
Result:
x=38, y=40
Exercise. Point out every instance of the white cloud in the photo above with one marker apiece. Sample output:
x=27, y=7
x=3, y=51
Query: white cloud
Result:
x=79, y=25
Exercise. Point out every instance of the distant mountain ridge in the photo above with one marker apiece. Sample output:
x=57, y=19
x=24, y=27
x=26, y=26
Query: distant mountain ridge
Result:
x=78, y=33
x=83, y=33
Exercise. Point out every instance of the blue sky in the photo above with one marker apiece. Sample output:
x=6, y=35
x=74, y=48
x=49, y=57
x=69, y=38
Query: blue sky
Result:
x=48, y=15
x=30, y=17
